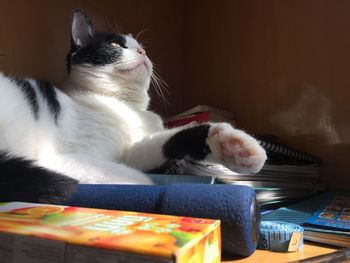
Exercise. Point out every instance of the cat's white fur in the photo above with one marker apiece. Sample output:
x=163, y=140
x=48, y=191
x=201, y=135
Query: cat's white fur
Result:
x=104, y=133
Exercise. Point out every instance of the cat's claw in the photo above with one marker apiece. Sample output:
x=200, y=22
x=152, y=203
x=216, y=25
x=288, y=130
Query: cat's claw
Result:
x=235, y=149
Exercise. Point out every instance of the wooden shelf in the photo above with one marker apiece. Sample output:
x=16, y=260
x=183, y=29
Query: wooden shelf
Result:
x=265, y=256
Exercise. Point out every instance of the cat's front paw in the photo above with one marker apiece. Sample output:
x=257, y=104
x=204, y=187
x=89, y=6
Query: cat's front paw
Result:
x=235, y=149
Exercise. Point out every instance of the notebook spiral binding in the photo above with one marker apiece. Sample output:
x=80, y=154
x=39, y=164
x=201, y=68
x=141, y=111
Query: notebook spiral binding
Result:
x=283, y=152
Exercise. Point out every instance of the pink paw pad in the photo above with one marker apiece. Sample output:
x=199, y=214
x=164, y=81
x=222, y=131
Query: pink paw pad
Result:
x=235, y=147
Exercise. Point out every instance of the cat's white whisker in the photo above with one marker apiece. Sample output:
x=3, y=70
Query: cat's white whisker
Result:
x=159, y=85
x=140, y=33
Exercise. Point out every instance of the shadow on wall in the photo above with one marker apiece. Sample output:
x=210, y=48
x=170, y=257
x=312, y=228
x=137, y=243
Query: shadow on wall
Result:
x=314, y=120
x=312, y=117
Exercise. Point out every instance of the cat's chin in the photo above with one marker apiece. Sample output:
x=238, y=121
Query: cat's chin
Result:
x=138, y=67
x=139, y=72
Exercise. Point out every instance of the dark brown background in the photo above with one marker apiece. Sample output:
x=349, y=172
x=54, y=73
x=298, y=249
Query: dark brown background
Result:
x=281, y=66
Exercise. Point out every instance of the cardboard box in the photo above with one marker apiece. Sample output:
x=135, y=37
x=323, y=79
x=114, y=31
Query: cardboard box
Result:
x=34, y=233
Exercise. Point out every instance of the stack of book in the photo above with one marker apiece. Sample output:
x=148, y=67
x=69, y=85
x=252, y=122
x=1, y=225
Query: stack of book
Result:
x=289, y=175
x=200, y=113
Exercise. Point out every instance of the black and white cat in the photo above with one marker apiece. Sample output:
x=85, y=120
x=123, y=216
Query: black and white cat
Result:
x=97, y=128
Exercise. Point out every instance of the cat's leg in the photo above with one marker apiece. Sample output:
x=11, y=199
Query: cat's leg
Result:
x=214, y=142
x=90, y=170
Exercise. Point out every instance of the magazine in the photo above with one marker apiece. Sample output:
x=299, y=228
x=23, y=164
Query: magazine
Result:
x=333, y=213
x=324, y=218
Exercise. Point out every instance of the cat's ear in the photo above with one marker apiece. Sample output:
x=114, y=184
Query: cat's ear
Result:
x=82, y=30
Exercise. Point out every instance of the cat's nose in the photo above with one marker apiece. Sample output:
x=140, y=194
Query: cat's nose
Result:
x=141, y=51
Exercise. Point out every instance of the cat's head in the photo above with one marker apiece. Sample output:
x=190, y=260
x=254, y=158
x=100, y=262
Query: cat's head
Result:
x=107, y=55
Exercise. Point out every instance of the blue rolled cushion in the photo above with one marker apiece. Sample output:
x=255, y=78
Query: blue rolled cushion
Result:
x=234, y=205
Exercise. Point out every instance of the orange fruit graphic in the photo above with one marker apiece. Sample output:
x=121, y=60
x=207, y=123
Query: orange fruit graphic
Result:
x=142, y=242
x=39, y=210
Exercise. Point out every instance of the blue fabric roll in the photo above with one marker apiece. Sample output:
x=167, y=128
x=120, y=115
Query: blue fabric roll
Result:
x=234, y=205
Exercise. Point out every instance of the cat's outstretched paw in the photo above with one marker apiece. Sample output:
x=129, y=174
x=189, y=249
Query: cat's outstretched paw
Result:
x=235, y=149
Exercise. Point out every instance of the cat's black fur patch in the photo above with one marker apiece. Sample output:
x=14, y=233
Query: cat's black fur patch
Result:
x=49, y=94
x=190, y=142
x=21, y=180
x=99, y=52
x=28, y=92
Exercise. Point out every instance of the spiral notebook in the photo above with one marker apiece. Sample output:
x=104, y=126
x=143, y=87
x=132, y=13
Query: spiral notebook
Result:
x=285, y=154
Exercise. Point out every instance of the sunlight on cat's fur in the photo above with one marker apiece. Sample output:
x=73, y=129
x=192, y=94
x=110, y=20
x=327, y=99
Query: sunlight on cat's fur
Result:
x=97, y=128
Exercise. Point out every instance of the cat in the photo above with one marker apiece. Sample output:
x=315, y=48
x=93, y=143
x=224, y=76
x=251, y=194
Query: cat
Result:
x=97, y=127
